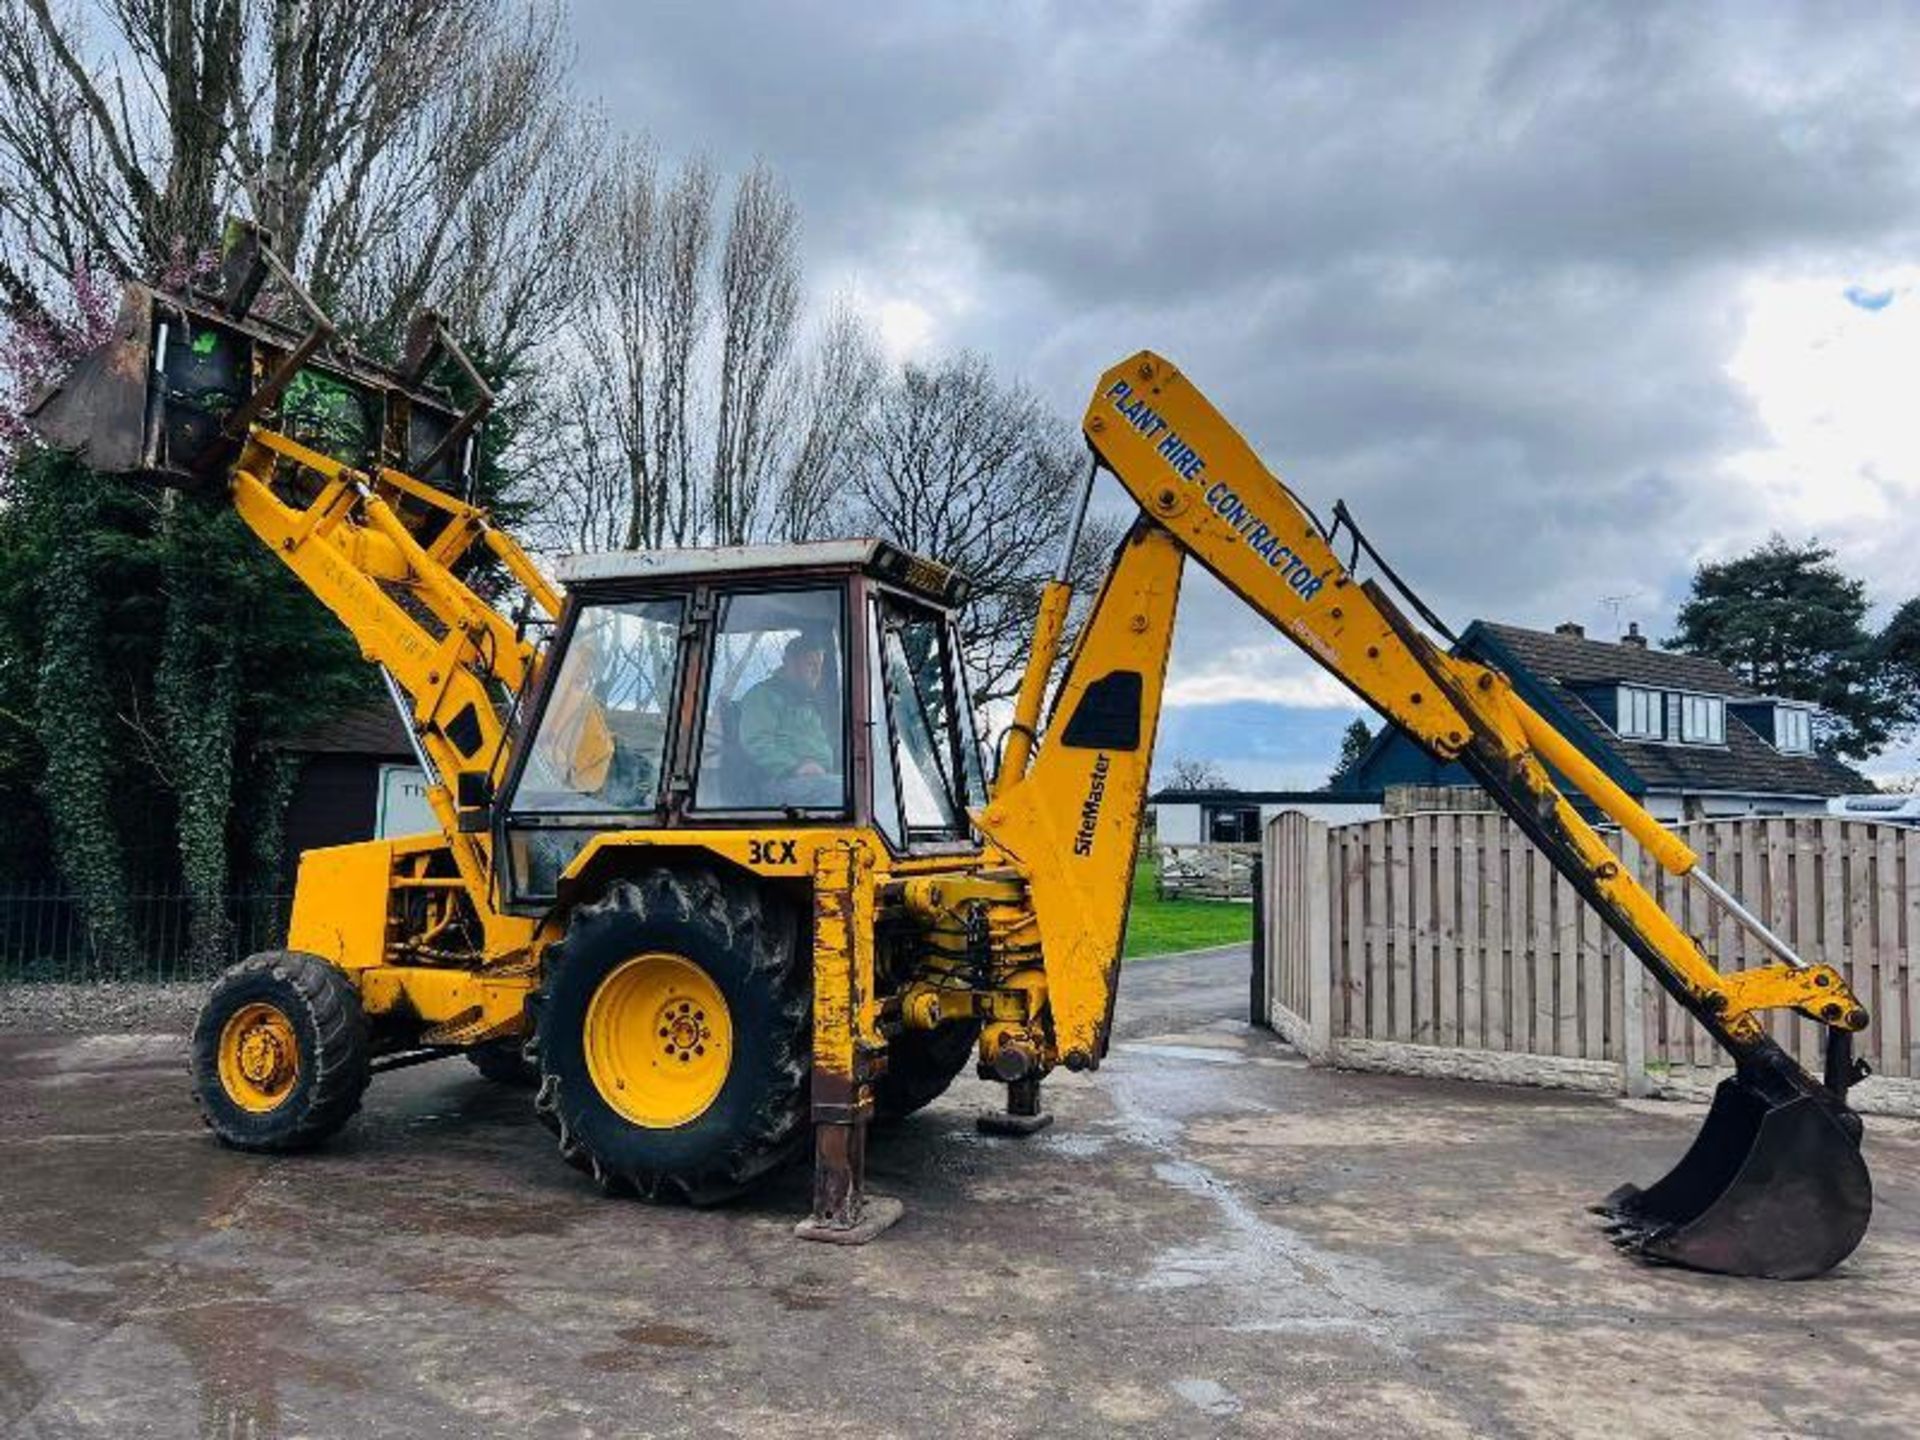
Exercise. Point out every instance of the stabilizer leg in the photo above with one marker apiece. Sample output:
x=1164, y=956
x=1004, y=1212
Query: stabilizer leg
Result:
x=1024, y=1115
x=843, y=1213
x=843, y=1049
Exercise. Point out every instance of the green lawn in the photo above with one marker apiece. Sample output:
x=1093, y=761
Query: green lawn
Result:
x=1161, y=927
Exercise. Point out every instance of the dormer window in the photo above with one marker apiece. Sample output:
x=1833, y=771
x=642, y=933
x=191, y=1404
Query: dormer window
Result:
x=1640, y=714
x=1792, y=730
x=1703, y=720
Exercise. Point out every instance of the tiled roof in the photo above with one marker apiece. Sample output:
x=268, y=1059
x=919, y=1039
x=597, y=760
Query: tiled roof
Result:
x=372, y=729
x=1746, y=764
x=1577, y=660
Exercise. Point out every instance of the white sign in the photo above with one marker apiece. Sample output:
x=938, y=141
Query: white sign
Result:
x=403, y=808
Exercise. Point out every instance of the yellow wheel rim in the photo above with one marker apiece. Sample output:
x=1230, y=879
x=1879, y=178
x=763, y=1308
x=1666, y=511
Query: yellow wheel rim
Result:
x=259, y=1057
x=659, y=1040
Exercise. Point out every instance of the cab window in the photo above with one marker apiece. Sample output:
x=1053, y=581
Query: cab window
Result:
x=773, y=735
x=937, y=769
x=600, y=746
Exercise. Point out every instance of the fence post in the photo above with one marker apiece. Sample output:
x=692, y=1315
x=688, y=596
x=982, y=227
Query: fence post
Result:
x=1635, y=1083
x=1318, y=920
x=1257, y=1011
x=1634, y=1080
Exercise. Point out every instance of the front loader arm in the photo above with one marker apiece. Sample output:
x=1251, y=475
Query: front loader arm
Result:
x=455, y=657
x=213, y=392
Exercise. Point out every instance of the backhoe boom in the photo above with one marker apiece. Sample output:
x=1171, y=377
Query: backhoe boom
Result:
x=1205, y=494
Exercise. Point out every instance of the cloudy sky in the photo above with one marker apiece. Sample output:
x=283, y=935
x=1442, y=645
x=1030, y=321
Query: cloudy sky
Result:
x=1561, y=300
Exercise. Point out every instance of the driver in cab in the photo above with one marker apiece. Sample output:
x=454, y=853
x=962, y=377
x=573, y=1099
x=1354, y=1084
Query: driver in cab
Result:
x=783, y=729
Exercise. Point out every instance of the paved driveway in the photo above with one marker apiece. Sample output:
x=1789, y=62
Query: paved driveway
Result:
x=1213, y=1240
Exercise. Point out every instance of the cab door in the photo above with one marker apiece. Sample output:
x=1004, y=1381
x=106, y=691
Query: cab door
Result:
x=928, y=770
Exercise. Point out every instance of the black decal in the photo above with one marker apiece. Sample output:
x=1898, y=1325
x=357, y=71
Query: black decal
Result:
x=1108, y=715
x=464, y=731
x=1083, y=836
x=772, y=852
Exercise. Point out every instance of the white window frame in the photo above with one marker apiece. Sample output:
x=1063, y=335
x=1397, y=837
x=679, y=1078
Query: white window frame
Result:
x=1703, y=720
x=1801, y=720
x=1641, y=713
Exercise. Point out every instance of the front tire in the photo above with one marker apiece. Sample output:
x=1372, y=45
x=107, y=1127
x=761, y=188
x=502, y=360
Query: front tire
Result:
x=281, y=1055
x=674, y=1037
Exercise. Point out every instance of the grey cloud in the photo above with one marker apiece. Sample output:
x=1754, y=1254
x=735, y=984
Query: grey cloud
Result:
x=1475, y=267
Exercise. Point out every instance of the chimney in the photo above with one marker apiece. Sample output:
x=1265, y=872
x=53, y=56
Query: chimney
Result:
x=1568, y=627
x=1633, y=636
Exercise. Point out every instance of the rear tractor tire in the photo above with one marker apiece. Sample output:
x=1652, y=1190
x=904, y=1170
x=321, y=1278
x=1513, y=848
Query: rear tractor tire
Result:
x=673, y=1036
x=281, y=1054
x=921, y=1064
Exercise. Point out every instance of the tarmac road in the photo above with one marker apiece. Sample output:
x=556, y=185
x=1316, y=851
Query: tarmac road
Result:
x=1214, y=1239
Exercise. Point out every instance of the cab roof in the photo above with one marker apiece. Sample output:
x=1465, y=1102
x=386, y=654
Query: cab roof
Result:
x=886, y=561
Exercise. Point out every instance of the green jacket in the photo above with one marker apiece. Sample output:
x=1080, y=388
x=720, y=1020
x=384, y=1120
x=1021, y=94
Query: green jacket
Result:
x=781, y=728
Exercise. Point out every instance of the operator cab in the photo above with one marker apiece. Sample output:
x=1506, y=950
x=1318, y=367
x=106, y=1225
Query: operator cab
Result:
x=814, y=684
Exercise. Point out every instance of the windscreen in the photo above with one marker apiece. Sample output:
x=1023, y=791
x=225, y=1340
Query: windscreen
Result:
x=602, y=737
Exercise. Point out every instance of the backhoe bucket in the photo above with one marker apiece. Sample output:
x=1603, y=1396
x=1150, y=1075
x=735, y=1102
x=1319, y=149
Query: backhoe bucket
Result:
x=1773, y=1188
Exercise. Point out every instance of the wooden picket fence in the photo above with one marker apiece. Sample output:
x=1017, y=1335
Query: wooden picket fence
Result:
x=1451, y=933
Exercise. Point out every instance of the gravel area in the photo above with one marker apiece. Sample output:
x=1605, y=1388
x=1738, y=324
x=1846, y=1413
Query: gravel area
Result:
x=117, y=1006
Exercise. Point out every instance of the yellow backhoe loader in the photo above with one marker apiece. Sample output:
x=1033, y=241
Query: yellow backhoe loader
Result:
x=719, y=869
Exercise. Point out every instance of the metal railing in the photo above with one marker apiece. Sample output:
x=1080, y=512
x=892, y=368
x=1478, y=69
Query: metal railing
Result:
x=44, y=936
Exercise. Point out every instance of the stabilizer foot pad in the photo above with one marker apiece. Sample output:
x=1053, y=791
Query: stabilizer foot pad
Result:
x=998, y=1122
x=876, y=1214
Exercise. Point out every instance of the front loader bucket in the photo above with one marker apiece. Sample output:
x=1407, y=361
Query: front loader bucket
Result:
x=169, y=395
x=100, y=411
x=1772, y=1187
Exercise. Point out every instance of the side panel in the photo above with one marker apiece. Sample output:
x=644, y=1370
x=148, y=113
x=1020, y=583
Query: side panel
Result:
x=1074, y=820
x=340, y=905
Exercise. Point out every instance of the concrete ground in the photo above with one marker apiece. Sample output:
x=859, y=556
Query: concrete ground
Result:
x=1213, y=1239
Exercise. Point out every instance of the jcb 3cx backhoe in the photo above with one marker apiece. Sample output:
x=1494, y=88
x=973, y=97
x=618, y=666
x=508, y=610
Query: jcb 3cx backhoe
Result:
x=719, y=869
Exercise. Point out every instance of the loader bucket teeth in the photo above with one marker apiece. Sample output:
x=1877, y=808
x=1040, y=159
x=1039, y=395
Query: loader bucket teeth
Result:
x=1774, y=1188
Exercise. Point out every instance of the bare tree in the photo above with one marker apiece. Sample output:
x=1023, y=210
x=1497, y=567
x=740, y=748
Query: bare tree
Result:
x=640, y=323
x=1186, y=773
x=837, y=384
x=374, y=138
x=958, y=466
x=759, y=302
x=673, y=284
x=690, y=353
x=583, y=463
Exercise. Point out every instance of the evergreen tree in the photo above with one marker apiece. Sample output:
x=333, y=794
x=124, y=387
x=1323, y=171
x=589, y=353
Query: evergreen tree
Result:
x=1788, y=622
x=1354, y=741
x=1897, y=652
